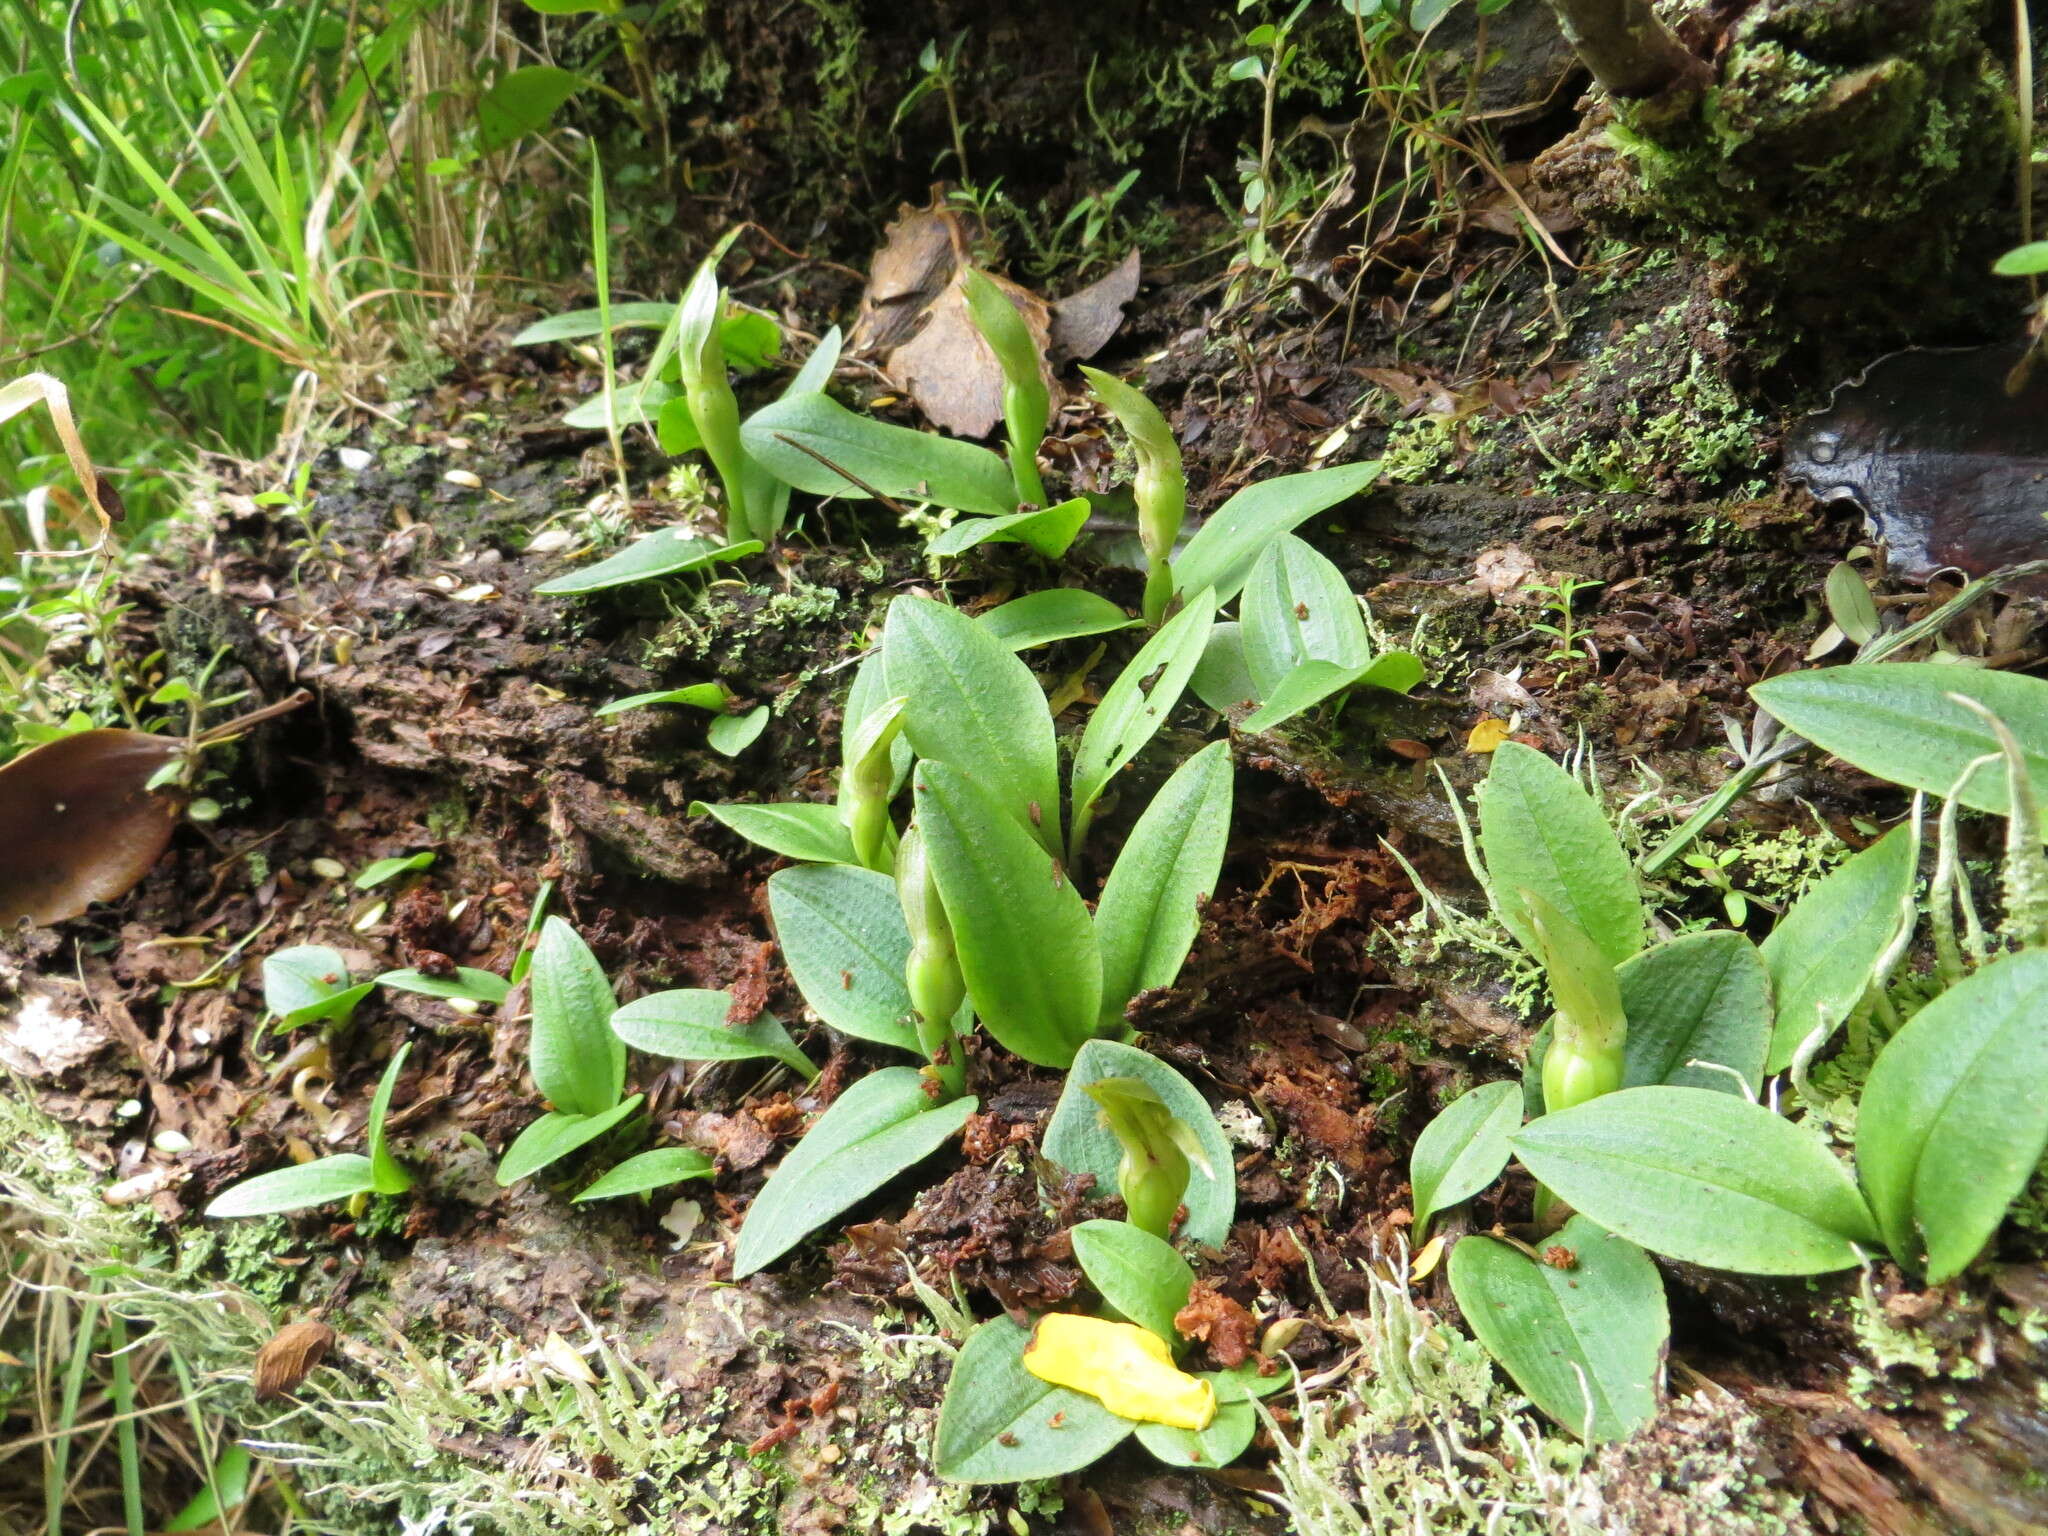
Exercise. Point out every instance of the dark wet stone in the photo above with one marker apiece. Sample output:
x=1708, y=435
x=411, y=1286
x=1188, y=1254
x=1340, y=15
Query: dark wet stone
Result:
x=1951, y=470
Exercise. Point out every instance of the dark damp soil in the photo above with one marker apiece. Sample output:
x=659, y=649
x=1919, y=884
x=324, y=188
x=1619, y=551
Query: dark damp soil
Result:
x=1605, y=423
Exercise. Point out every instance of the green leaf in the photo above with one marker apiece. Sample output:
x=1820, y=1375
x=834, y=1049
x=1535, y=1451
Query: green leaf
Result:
x=694, y=696
x=843, y=939
x=1823, y=953
x=467, y=983
x=674, y=427
x=650, y=1170
x=690, y=1025
x=387, y=1174
x=1463, y=1149
x=733, y=734
x=1221, y=1442
x=554, y=1136
x=321, y=1182
x=1297, y=607
x=1151, y=906
x=975, y=705
x=2029, y=260
x=1139, y=1277
x=642, y=400
x=1850, y=604
x=1001, y=1424
x=1539, y=829
x=1954, y=1117
x=1895, y=720
x=896, y=461
x=1057, y=613
x=1704, y=1177
x=578, y=1064
x=1079, y=1139
x=1024, y=938
x=226, y=1490
x=1049, y=530
x=665, y=552
x=523, y=101
x=1314, y=681
x=1224, y=549
x=1701, y=997
x=793, y=828
x=378, y=871
x=1222, y=679
x=1136, y=705
x=880, y=1126
x=575, y=324
x=1584, y=1341
x=310, y=982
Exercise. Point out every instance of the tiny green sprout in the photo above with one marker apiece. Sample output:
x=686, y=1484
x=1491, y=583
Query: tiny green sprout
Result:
x=867, y=780
x=931, y=972
x=1027, y=404
x=381, y=871
x=1161, y=486
x=1585, y=1059
x=1157, y=1151
x=713, y=406
x=310, y=983
x=325, y=1180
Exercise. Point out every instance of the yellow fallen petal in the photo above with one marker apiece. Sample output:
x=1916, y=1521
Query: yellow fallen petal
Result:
x=1486, y=735
x=1125, y=1367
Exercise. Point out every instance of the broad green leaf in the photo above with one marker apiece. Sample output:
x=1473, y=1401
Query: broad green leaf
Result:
x=1463, y=1149
x=1229, y=542
x=1079, y=1139
x=1584, y=1338
x=1049, y=530
x=378, y=871
x=733, y=734
x=975, y=705
x=1297, y=607
x=578, y=1064
x=768, y=493
x=694, y=696
x=554, y=1136
x=310, y=982
x=1136, y=705
x=1539, y=829
x=1222, y=679
x=1705, y=1177
x=1314, y=681
x=793, y=828
x=1151, y=906
x=643, y=400
x=468, y=983
x=1702, y=997
x=1001, y=1424
x=522, y=101
x=321, y=1182
x=1954, y=1117
x=843, y=939
x=1137, y=1275
x=650, y=1170
x=880, y=1126
x=690, y=1025
x=225, y=1491
x=1023, y=934
x=1222, y=1442
x=575, y=324
x=665, y=552
x=387, y=1174
x=1057, y=613
x=896, y=461
x=674, y=427
x=1823, y=953
x=1895, y=719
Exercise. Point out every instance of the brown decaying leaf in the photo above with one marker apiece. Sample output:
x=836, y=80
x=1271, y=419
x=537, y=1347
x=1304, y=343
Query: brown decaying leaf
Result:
x=289, y=1358
x=78, y=823
x=914, y=319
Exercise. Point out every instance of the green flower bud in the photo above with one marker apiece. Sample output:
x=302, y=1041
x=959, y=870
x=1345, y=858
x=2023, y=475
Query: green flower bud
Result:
x=865, y=780
x=931, y=972
x=1153, y=1174
x=1027, y=404
x=1590, y=1033
x=1160, y=488
x=713, y=406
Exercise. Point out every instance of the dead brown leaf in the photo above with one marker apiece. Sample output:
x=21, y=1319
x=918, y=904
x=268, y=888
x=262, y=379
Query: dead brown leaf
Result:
x=1085, y=319
x=79, y=822
x=289, y=1358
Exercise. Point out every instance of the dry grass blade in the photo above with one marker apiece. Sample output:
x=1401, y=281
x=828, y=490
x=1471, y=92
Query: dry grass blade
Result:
x=33, y=389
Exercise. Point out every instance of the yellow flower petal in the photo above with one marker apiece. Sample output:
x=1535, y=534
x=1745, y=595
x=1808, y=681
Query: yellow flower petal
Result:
x=1487, y=735
x=1128, y=1369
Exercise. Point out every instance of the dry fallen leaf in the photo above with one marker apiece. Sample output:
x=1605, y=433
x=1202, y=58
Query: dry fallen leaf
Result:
x=1085, y=319
x=949, y=370
x=289, y=1358
x=79, y=822
x=1487, y=735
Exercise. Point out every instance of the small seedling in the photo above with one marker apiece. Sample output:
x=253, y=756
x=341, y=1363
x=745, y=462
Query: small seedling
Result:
x=345, y=1176
x=310, y=983
x=1560, y=602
